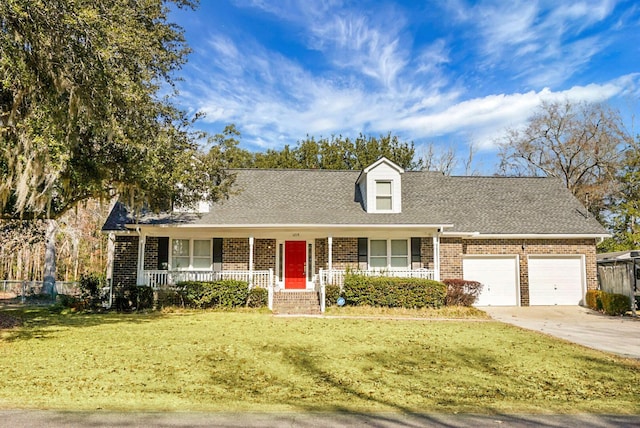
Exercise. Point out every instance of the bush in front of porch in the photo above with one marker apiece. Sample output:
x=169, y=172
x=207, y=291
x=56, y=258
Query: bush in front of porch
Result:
x=228, y=293
x=392, y=292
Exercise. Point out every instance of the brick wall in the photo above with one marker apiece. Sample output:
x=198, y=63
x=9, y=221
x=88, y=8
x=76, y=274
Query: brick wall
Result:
x=345, y=253
x=322, y=254
x=426, y=253
x=452, y=250
x=235, y=254
x=151, y=253
x=264, y=254
x=125, y=262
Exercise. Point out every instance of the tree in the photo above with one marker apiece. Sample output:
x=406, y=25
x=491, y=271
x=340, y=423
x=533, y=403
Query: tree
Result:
x=579, y=143
x=624, y=210
x=336, y=152
x=81, y=111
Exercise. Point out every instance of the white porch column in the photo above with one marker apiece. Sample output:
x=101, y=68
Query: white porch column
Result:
x=436, y=256
x=330, y=258
x=251, y=261
x=141, y=244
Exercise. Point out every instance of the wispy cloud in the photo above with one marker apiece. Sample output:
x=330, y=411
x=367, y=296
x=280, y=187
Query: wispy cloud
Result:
x=372, y=75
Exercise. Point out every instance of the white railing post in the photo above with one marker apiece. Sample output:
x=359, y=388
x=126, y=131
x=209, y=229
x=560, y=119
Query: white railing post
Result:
x=270, y=290
x=322, y=296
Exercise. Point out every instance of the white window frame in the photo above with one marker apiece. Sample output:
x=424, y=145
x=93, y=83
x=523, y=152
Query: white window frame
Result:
x=191, y=254
x=388, y=196
x=389, y=255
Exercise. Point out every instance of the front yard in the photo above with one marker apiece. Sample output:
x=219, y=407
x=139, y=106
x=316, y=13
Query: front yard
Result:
x=252, y=361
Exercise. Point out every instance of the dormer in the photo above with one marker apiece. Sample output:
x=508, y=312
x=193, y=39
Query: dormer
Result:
x=381, y=187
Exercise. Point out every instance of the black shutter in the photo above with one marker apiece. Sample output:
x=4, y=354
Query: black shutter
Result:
x=217, y=254
x=163, y=253
x=415, y=250
x=363, y=250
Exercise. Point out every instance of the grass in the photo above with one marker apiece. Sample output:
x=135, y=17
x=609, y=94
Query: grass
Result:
x=251, y=361
x=446, y=312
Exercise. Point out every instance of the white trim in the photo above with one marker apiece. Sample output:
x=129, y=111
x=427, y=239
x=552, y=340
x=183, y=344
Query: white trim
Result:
x=191, y=253
x=301, y=226
x=436, y=257
x=534, y=236
x=389, y=255
x=251, y=241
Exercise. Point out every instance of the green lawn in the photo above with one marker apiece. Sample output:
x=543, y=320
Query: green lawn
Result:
x=251, y=361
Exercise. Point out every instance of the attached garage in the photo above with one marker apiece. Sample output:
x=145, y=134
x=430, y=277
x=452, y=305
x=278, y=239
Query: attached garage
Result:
x=499, y=276
x=556, y=280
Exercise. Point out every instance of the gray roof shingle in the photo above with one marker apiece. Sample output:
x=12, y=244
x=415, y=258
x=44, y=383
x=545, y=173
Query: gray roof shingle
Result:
x=489, y=205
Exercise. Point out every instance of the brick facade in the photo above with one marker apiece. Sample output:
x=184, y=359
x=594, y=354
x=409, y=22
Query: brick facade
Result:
x=345, y=255
x=264, y=254
x=151, y=253
x=452, y=251
x=235, y=254
x=125, y=262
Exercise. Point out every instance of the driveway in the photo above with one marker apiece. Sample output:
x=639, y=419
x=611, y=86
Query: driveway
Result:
x=618, y=335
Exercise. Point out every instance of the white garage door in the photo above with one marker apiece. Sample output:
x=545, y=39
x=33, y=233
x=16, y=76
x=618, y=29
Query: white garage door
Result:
x=555, y=280
x=499, y=276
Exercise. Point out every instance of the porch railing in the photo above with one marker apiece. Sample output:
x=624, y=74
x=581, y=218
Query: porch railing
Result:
x=336, y=276
x=166, y=278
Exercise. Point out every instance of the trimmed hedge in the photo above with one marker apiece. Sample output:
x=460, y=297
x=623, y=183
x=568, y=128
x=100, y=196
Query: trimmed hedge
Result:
x=219, y=294
x=615, y=304
x=258, y=297
x=593, y=300
x=393, y=292
x=331, y=294
x=461, y=292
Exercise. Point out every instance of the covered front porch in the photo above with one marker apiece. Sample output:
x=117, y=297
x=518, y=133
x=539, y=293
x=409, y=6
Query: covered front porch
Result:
x=297, y=259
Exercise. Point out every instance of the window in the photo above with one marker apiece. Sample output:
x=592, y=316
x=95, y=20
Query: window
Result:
x=201, y=254
x=191, y=254
x=383, y=196
x=180, y=254
x=389, y=254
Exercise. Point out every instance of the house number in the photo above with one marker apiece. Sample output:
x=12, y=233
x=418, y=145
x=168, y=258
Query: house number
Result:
x=296, y=234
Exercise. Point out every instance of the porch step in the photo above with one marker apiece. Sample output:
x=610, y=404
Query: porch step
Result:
x=296, y=302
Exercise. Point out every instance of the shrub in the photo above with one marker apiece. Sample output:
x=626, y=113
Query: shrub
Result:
x=258, y=297
x=393, y=292
x=226, y=293
x=461, y=292
x=615, y=304
x=331, y=294
x=142, y=297
x=91, y=290
x=167, y=297
x=593, y=300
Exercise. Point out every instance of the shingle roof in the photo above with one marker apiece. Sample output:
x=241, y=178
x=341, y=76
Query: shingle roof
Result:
x=489, y=205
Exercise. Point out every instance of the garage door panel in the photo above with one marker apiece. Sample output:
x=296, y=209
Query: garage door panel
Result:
x=556, y=280
x=499, y=276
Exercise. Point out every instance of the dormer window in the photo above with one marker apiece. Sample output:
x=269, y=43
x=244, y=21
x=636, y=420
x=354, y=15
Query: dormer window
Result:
x=384, y=196
x=380, y=186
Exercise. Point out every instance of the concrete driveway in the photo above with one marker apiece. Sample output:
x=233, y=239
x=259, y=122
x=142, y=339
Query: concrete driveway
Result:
x=618, y=335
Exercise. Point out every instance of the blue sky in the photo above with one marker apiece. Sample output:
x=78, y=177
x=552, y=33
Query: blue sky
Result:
x=449, y=73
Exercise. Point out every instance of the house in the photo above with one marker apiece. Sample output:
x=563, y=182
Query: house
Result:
x=528, y=240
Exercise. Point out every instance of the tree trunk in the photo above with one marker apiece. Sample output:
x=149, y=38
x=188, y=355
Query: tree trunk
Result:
x=49, y=284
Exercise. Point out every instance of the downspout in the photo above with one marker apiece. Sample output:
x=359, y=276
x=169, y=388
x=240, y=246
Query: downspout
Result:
x=111, y=246
x=141, y=244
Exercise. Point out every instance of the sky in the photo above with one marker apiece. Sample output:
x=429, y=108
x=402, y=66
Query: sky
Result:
x=450, y=73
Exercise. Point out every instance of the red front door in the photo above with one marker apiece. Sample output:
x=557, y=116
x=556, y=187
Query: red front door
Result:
x=295, y=256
